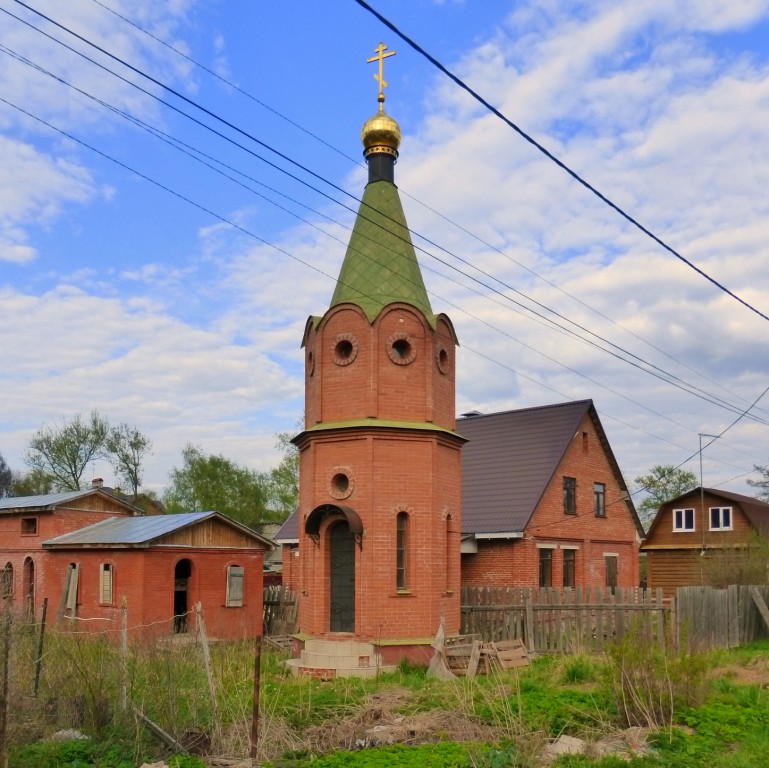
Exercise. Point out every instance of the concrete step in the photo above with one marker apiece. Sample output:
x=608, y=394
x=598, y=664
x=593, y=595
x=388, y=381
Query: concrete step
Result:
x=326, y=659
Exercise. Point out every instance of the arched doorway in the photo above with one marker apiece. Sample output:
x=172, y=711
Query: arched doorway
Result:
x=182, y=574
x=342, y=581
x=29, y=587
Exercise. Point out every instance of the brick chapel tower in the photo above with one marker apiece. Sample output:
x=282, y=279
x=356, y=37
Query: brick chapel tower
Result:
x=379, y=499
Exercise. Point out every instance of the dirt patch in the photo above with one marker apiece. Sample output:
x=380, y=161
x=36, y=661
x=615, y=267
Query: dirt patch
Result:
x=754, y=673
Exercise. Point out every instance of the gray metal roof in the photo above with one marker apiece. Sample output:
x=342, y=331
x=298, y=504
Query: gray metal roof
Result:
x=509, y=460
x=138, y=531
x=43, y=500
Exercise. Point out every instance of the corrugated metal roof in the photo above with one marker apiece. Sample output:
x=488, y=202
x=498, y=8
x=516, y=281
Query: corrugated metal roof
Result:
x=128, y=530
x=43, y=500
x=509, y=460
x=139, y=531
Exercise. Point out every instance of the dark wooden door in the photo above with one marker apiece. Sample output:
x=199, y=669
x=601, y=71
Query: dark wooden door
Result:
x=342, y=598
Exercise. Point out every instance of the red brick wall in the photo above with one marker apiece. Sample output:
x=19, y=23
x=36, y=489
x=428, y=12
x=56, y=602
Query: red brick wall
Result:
x=146, y=579
x=391, y=469
x=516, y=563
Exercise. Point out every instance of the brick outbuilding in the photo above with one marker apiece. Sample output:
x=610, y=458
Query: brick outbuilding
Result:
x=102, y=553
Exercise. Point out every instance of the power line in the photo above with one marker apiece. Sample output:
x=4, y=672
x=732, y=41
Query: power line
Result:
x=553, y=158
x=251, y=97
x=652, y=370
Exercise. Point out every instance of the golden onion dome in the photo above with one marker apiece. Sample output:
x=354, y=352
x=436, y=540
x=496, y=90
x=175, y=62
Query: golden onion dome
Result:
x=381, y=134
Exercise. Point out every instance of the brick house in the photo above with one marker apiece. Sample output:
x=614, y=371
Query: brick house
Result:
x=702, y=537
x=83, y=551
x=544, y=502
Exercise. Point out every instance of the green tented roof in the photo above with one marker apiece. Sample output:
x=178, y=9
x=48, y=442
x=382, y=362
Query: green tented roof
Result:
x=380, y=266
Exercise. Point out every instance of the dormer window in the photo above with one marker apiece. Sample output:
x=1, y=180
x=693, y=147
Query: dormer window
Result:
x=720, y=518
x=683, y=520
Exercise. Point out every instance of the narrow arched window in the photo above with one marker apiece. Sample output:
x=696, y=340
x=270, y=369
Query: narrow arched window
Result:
x=235, y=578
x=6, y=582
x=401, y=546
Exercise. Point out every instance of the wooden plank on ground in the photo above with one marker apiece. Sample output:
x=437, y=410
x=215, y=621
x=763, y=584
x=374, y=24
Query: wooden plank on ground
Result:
x=510, y=654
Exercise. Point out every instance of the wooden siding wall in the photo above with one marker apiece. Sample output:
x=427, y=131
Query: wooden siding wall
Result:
x=667, y=569
x=211, y=533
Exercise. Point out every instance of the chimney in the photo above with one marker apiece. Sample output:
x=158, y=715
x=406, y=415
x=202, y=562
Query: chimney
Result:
x=97, y=482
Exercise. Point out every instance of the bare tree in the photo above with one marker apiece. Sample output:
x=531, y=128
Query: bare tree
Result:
x=62, y=452
x=126, y=448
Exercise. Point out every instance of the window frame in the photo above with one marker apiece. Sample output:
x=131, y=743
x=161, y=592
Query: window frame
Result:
x=569, y=495
x=6, y=581
x=401, y=552
x=104, y=569
x=235, y=583
x=570, y=557
x=679, y=520
x=29, y=526
x=599, y=499
x=613, y=570
x=721, y=527
x=546, y=567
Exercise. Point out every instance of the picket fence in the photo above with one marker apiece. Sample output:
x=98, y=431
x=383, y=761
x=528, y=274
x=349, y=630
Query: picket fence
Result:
x=564, y=620
x=589, y=619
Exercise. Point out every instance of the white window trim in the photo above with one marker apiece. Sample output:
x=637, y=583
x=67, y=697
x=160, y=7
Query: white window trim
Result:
x=683, y=528
x=721, y=527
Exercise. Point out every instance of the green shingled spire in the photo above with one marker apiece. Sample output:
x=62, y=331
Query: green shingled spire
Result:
x=380, y=266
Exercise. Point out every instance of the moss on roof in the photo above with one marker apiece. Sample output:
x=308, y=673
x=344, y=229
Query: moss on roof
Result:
x=380, y=266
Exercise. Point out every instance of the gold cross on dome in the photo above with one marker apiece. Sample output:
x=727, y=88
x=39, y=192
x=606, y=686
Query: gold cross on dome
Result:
x=380, y=57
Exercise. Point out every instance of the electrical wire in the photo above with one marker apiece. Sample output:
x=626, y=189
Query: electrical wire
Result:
x=437, y=64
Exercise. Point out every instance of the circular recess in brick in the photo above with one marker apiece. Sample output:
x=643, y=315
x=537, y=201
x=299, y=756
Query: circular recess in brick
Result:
x=342, y=483
x=400, y=349
x=442, y=359
x=345, y=349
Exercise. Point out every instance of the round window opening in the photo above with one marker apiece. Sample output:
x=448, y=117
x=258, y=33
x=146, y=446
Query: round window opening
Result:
x=311, y=363
x=344, y=349
x=340, y=482
x=443, y=361
x=401, y=348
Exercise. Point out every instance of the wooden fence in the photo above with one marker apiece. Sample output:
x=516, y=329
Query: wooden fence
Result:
x=280, y=606
x=721, y=618
x=563, y=620
x=588, y=619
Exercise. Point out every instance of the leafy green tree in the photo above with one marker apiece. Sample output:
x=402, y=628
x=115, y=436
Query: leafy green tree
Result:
x=660, y=484
x=32, y=483
x=6, y=478
x=126, y=448
x=214, y=482
x=63, y=452
x=283, y=493
x=762, y=483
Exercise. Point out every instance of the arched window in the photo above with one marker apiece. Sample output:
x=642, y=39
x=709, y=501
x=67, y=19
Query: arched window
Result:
x=6, y=582
x=401, y=546
x=235, y=578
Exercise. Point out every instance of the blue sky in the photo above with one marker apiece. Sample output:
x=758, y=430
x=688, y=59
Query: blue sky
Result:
x=176, y=302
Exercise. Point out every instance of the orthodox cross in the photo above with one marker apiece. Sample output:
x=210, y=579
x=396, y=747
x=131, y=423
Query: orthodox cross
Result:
x=380, y=57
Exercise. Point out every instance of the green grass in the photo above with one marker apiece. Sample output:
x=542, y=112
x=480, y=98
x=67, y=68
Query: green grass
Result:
x=723, y=723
